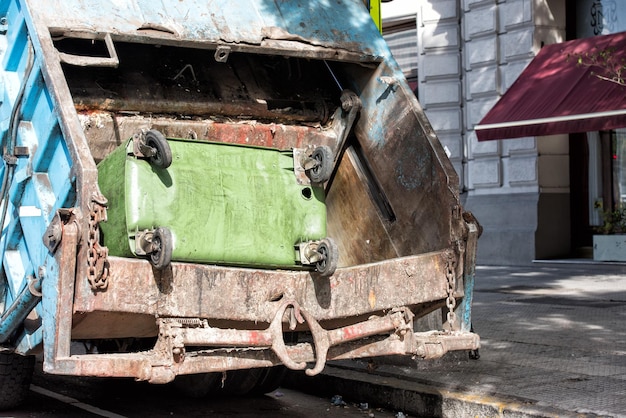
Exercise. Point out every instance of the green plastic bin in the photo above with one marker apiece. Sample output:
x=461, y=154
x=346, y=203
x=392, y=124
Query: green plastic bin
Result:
x=216, y=203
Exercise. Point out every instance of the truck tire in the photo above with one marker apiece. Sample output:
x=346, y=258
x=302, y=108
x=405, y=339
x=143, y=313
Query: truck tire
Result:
x=198, y=385
x=16, y=373
x=269, y=381
x=241, y=382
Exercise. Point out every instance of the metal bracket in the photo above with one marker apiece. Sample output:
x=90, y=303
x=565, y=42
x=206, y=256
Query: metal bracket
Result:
x=21, y=151
x=299, y=169
x=352, y=105
x=308, y=252
x=433, y=345
x=221, y=53
x=82, y=61
x=171, y=339
x=52, y=237
x=140, y=148
x=143, y=242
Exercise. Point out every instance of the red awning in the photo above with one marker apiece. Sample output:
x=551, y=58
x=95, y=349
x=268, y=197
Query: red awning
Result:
x=555, y=95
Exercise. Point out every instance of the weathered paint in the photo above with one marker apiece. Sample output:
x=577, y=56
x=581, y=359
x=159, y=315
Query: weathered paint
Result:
x=469, y=272
x=223, y=293
x=393, y=203
x=42, y=181
x=286, y=26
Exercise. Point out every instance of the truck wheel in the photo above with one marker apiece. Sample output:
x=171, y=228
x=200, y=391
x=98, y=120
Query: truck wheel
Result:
x=16, y=373
x=324, y=168
x=242, y=382
x=198, y=385
x=162, y=246
x=270, y=380
x=163, y=152
x=330, y=254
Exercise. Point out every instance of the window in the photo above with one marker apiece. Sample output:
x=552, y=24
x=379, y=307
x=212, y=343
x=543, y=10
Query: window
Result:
x=618, y=162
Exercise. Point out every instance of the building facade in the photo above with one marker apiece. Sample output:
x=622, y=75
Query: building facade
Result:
x=528, y=193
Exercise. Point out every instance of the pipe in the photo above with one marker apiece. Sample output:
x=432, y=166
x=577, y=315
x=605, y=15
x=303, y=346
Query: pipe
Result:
x=15, y=315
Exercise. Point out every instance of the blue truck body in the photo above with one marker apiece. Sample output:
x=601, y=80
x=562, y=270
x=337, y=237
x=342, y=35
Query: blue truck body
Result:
x=80, y=77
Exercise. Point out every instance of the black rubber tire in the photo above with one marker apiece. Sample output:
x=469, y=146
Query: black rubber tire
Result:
x=16, y=373
x=324, y=169
x=270, y=380
x=163, y=156
x=241, y=382
x=161, y=257
x=198, y=385
x=330, y=253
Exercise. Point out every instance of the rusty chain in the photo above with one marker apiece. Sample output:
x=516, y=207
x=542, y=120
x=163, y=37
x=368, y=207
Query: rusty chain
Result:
x=97, y=262
x=450, y=300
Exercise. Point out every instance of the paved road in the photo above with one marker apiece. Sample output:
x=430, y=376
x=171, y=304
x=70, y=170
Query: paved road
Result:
x=61, y=396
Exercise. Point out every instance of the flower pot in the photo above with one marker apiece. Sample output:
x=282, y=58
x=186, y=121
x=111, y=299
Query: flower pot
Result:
x=609, y=247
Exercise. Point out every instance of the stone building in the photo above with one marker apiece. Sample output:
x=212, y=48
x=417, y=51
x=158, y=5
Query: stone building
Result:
x=534, y=196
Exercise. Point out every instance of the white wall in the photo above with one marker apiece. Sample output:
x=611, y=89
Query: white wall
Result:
x=399, y=9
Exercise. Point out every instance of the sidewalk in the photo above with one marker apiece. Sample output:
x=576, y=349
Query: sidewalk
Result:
x=553, y=343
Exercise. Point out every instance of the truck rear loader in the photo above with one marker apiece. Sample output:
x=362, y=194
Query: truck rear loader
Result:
x=90, y=85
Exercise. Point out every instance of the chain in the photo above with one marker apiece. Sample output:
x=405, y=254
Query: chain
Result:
x=450, y=300
x=97, y=262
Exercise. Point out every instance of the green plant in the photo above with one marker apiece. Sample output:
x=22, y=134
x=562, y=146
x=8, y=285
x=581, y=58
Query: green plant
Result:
x=611, y=66
x=613, y=221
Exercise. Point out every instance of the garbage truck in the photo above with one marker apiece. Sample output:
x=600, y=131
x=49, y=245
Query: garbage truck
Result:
x=154, y=153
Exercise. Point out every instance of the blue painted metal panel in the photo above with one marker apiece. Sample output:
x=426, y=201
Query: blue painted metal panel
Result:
x=39, y=183
x=250, y=22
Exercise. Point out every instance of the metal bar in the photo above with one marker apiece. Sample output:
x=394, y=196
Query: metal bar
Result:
x=226, y=337
x=58, y=301
x=197, y=108
x=15, y=315
x=148, y=366
x=63, y=329
x=469, y=274
x=111, y=61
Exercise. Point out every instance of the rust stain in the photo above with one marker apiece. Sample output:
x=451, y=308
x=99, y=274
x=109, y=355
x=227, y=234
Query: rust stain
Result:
x=372, y=298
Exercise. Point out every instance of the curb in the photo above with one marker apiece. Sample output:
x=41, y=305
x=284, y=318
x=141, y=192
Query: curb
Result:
x=415, y=398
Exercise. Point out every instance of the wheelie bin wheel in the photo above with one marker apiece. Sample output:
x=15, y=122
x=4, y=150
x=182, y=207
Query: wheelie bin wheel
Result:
x=330, y=254
x=162, y=245
x=324, y=167
x=163, y=153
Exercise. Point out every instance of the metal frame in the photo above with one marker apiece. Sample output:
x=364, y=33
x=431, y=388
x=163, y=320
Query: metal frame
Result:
x=217, y=318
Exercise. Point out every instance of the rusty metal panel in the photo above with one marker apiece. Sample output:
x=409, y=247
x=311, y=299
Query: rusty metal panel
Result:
x=354, y=218
x=406, y=157
x=233, y=294
x=161, y=367
x=393, y=204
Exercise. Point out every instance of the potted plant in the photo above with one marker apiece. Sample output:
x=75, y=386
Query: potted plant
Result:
x=609, y=242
